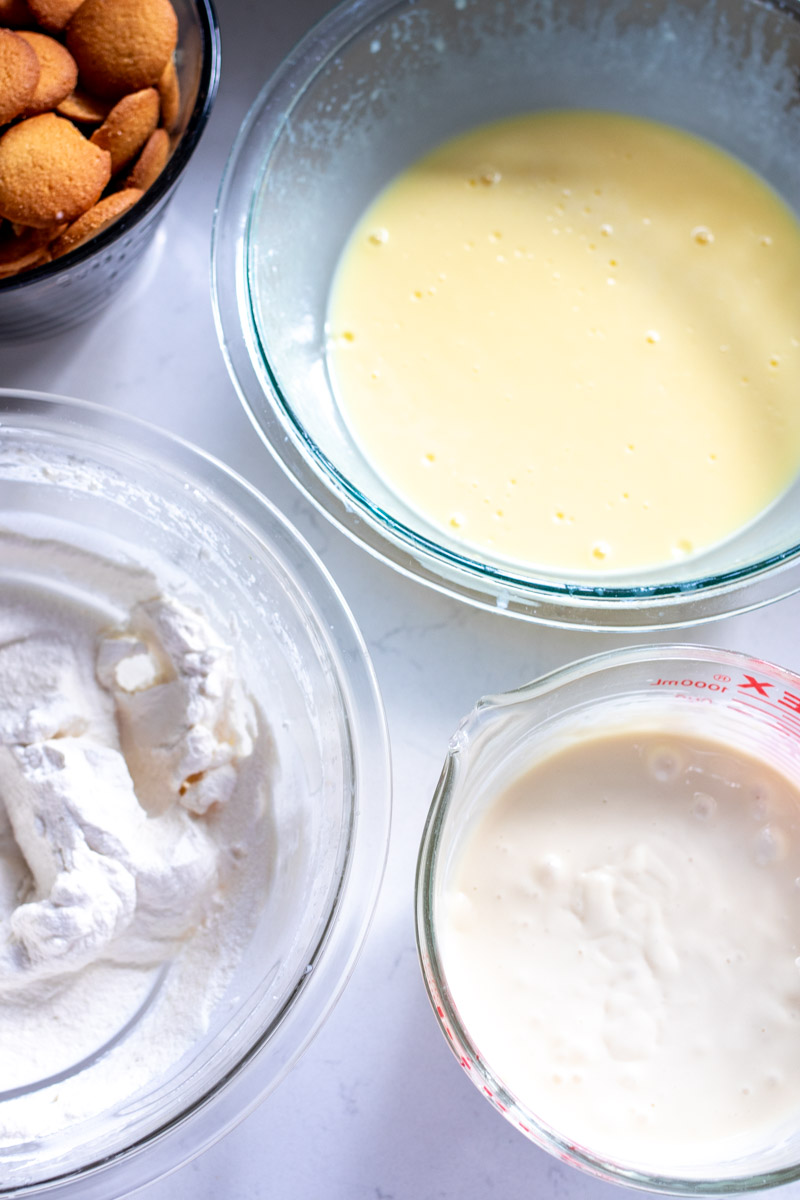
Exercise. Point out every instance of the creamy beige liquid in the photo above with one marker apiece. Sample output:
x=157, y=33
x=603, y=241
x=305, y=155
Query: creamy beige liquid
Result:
x=621, y=938
x=572, y=339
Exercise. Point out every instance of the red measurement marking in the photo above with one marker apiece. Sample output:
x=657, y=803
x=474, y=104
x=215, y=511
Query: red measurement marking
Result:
x=488, y=1093
x=790, y=701
x=440, y=1011
x=525, y=1127
x=466, y=1064
x=761, y=688
x=722, y=678
x=790, y=720
x=780, y=722
x=688, y=683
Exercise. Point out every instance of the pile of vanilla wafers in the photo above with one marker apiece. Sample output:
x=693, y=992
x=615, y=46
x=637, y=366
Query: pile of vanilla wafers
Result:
x=89, y=103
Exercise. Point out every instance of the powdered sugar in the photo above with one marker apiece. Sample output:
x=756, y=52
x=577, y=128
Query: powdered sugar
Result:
x=134, y=778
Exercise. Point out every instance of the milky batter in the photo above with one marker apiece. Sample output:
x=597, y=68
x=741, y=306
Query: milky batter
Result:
x=572, y=339
x=621, y=938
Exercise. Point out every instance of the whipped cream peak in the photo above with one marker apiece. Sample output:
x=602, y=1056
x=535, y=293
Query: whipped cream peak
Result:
x=183, y=718
x=106, y=767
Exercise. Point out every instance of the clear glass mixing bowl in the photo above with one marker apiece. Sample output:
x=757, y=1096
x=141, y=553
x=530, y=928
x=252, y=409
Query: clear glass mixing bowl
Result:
x=372, y=87
x=69, y=469
x=715, y=694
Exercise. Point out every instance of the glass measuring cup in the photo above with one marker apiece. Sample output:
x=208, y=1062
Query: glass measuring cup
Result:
x=730, y=698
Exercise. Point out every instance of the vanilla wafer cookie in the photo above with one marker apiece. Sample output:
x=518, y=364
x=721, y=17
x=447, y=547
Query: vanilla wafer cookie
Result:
x=151, y=161
x=109, y=209
x=128, y=126
x=170, y=95
x=122, y=45
x=19, y=75
x=84, y=107
x=58, y=71
x=53, y=15
x=49, y=172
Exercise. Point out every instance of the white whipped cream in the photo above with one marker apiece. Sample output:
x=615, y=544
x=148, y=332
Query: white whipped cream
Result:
x=134, y=777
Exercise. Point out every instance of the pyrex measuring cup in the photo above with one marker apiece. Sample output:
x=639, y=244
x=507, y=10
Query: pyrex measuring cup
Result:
x=724, y=697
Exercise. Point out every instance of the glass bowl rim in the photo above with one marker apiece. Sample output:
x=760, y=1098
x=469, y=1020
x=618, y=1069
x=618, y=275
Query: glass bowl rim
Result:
x=430, y=958
x=495, y=587
x=341, y=934
x=184, y=149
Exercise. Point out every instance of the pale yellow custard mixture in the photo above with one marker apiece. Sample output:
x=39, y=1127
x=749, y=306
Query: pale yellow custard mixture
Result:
x=572, y=340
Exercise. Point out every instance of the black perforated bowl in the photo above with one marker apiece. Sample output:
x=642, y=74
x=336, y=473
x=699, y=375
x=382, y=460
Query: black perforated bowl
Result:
x=67, y=291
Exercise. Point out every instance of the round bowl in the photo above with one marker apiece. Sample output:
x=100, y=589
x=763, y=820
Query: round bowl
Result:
x=374, y=86
x=70, y=289
x=718, y=696
x=79, y=473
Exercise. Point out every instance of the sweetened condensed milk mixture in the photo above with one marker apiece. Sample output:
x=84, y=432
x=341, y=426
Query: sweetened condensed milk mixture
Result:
x=621, y=937
x=572, y=340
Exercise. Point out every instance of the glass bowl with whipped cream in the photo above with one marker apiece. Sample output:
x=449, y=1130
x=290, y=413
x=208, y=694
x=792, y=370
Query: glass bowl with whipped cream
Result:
x=607, y=915
x=189, y=731
x=506, y=290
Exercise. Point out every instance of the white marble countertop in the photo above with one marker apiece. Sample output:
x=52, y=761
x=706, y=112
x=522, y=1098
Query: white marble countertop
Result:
x=378, y=1108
